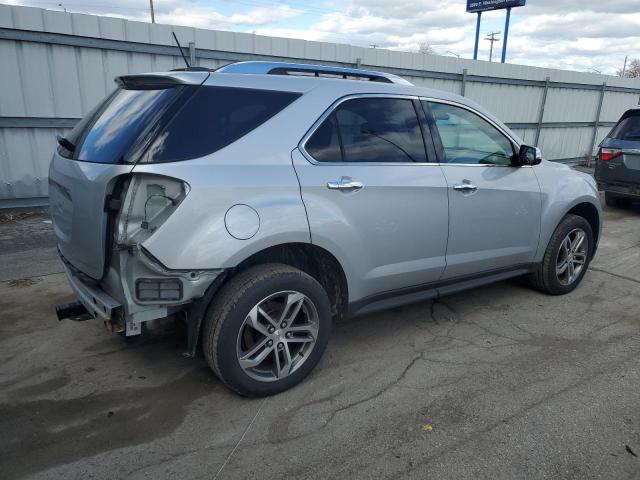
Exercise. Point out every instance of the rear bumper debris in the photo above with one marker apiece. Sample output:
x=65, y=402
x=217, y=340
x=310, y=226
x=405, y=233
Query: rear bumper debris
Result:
x=92, y=297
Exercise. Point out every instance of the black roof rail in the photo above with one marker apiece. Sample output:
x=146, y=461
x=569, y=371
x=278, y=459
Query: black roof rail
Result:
x=283, y=68
x=192, y=69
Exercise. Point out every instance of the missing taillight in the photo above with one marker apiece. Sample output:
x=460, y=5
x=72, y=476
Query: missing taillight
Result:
x=149, y=201
x=607, y=154
x=157, y=207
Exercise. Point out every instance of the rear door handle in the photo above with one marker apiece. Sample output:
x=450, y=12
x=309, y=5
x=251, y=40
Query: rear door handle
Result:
x=465, y=187
x=345, y=183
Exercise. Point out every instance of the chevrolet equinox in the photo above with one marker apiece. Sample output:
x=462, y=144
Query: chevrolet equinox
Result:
x=260, y=201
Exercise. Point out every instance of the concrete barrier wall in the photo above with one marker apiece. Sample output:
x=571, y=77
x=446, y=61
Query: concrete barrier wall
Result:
x=55, y=66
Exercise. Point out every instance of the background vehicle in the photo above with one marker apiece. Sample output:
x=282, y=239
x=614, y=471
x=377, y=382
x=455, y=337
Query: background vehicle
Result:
x=261, y=200
x=618, y=163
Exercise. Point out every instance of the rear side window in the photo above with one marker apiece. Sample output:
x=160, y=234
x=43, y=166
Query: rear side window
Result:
x=109, y=130
x=172, y=123
x=370, y=129
x=213, y=118
x=628, y=128
x=324, y=144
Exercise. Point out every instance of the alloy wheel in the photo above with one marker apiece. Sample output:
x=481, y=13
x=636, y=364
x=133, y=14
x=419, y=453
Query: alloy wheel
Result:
x=572, y=256
x=277, y=336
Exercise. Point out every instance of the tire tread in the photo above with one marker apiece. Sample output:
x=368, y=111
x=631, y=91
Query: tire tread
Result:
x=224, y=303
x=539, y=278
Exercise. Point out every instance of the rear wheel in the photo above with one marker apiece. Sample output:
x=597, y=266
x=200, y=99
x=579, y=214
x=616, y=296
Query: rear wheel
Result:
x=566, y=258
x=266, y=329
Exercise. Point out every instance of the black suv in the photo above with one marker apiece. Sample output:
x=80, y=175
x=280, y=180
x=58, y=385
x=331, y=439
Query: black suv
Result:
x=618, y=163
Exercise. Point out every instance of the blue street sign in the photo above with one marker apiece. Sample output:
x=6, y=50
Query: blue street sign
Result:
x=486, y=5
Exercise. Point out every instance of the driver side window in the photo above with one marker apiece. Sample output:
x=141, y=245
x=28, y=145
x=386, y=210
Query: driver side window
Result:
x=469, y=139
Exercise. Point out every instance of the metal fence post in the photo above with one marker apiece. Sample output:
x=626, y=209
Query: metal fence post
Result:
x=192, y=54
x=543, y=102
x=463, y=88
x=596, y=124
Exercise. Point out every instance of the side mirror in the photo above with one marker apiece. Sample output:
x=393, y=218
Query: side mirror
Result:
x=529, y=155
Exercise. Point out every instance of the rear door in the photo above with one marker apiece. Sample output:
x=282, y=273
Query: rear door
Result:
x=623, y=145
x=372, y=197
x=494, y=207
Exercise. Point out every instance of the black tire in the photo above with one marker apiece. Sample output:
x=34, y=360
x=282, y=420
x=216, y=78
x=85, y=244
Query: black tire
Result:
x=228, y=310
x=544, y=276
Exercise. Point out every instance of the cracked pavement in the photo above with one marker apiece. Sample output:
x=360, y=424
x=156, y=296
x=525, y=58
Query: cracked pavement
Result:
x=513, y=384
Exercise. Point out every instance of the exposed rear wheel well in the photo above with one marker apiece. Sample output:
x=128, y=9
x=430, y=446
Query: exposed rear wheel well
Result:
x=590, y=214
x=313, y=260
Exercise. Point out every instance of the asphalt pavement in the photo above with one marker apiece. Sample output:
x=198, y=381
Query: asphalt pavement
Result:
x=497, y=382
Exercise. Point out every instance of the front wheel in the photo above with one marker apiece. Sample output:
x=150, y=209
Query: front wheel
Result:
x=266, y=329
x=566, y=258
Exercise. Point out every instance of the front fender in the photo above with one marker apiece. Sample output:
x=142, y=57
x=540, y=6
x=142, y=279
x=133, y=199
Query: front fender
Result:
x=563, y=189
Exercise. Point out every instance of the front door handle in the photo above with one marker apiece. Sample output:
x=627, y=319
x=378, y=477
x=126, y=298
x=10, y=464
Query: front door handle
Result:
x=465, y=187
x=345, y=183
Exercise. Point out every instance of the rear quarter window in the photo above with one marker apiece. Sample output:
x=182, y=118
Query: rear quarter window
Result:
x=106, y=133
x=213, y=118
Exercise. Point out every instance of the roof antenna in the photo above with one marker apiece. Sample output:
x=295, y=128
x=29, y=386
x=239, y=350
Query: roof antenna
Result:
x=181, y=52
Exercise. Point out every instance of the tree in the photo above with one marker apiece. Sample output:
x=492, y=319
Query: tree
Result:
x=426, y=49
x=632, y=70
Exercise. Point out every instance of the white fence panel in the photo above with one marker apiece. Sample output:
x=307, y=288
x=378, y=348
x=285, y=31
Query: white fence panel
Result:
x=57, y=66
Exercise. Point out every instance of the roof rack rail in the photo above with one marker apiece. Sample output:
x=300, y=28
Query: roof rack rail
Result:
x=303, y=69
x=192, y=69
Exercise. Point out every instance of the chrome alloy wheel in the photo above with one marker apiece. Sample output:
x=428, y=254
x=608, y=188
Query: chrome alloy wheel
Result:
x=572, y=256
x=277, y=336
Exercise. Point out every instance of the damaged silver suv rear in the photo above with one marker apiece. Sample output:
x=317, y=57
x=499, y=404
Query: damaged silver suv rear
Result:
x=103, y=211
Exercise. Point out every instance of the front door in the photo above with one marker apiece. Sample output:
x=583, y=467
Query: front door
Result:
x=494, y=207
x=372, y=198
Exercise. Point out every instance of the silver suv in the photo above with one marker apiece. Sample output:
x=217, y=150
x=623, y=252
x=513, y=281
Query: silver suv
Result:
x=261, y=200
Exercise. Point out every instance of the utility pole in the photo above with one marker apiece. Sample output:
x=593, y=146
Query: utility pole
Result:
x=624, y=67
x=492, y=38
x=153, y=18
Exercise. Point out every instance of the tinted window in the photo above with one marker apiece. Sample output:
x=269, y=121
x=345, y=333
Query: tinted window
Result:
x=369, y=130
x=107, y=133
x=213, y=118
x=324, y=144
x=628, y=128
x=380, y=130
x=468, y=138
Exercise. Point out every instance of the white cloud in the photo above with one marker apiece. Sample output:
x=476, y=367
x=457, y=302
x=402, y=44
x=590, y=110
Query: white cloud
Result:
x=202, y=17
x=576, y=34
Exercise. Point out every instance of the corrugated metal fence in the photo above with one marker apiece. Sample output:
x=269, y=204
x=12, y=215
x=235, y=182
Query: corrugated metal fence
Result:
x=55, y=66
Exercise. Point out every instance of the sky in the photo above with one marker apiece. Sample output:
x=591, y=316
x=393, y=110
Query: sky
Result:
x=583, y=35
